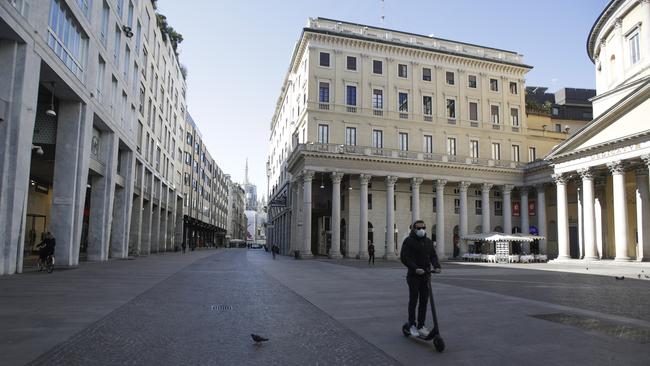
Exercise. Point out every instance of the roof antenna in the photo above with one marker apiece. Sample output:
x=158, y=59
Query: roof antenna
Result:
x=382, y=18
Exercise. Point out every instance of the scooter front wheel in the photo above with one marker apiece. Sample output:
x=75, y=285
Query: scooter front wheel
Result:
x=439, y=343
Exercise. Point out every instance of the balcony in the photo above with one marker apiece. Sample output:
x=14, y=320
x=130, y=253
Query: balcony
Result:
x=351, y=109
x=377, y=112
x=324, y=106
x=401, y=154
x=428, y=118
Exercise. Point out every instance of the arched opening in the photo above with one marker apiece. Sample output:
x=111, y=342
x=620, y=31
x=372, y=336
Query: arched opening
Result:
x=456, y=241
x=344, y=247
x=498, y=229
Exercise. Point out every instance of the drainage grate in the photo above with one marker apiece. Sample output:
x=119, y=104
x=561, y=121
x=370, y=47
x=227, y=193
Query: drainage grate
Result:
x=623, y=331
x=220, y=307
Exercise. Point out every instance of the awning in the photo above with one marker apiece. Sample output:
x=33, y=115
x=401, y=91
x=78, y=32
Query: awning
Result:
x=494, y=237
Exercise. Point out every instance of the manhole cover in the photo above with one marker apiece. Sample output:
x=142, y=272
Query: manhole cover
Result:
x=624, y=331
x=220, y=307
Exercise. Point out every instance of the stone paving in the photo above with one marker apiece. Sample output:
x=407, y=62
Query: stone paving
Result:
x=200, y=308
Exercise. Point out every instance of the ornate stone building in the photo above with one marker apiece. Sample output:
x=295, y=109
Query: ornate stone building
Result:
x=375, y=128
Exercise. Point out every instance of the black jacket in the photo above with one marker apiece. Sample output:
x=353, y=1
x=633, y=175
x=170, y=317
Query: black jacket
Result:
x=418, y=253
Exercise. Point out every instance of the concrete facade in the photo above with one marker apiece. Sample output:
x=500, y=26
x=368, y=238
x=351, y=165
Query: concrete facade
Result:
x=92, y=120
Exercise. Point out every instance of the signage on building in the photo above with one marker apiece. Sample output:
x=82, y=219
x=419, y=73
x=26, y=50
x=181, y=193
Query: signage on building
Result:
x=531, y=208
x=516, y=209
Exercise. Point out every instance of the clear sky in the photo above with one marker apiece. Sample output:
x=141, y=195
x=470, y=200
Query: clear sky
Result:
x=238, y=51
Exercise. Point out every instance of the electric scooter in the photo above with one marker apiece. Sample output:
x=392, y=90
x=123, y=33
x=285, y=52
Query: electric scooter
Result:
x=434, y=335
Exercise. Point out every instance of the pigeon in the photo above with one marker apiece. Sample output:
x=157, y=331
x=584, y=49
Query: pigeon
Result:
x=620, y=278
x=258, y=339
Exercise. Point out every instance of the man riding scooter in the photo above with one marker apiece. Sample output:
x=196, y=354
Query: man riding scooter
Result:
x=418, y=254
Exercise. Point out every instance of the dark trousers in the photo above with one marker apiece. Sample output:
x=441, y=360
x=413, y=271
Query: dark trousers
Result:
x=371, y=257
x=418, y=289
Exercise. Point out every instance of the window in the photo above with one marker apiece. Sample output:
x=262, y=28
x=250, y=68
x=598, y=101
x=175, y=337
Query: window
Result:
x=498, y=208
x=478, y=207
x=138, y=36
x=456, y=206
x=403, y=141
x=377, y=139
x=120, y=6
x=325, y=59
x=449, y=78
x=127, y=62
x=101, y=75
x=103, y=34
x=129, y=19
x=556, y=111
x=377, y=67
x=496, y=151
x=428, y=144
x=494, y=112
x=377, y=99
x=515, y=153
x=66, y=38
x=514, y=116
x=532, y=154
x=426, y=74
x=352, y=63
x=323, y=134
x=370, y=202
x=427, y=105
x=402, y=70
x=494, y=85
x=558, y=127
x=473, y=149
x=351, y=136
x=633, y=43
x=473, y=111
x=451, y=108
x=434, y=205
x=324, y=92
x=471, y=81
x=403, y=102
x=513, y=88
x=116, y=47
x=351, y=96
x=451, y=146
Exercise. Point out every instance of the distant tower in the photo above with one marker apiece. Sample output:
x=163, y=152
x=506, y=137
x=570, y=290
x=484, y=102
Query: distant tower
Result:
x=246, y=172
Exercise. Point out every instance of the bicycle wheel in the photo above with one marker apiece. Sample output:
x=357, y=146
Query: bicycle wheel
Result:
x=50, y=265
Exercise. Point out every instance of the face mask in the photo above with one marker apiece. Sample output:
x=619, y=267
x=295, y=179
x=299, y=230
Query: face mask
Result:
x=421, y=233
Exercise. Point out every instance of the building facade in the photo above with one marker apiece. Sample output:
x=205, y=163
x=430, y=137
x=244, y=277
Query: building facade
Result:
x=236, y=219
x=375, y=128
x=567, y=110
x=205, y=193
x=605, y=164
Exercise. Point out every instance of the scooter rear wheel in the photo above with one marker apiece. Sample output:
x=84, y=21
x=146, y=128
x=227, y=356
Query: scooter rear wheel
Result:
x=439, y=343
x=405, y=330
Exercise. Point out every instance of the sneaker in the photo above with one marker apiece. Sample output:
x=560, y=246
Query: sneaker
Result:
x=423, y=331
x=414, y=331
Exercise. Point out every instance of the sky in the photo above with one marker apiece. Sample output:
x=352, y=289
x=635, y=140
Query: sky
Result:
x=237, y=53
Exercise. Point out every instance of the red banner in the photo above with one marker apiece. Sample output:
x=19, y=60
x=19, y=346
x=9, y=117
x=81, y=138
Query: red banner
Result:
x=516, y=209
x=531, y=208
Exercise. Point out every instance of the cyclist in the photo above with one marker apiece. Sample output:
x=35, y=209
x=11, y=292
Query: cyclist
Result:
x=47, y=247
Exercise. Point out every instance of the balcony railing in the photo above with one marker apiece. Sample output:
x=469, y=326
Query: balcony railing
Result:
x=402, y=154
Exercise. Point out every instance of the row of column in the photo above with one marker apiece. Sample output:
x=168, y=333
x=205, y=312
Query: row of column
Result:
x=591, y=212
x=463, y=186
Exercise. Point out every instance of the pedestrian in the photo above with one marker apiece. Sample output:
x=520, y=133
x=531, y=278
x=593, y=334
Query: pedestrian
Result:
x=275, y=250
x=183, y=246
x=371, y=253
x=418, y=255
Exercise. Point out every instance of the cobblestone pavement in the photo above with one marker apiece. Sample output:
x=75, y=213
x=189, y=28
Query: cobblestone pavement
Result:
x=204, y=315
x=200, y=309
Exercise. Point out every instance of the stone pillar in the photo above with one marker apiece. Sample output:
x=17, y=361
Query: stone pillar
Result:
x=642, y=215
x=336, y=216
x=415, y=199
x=441, y=250
x=599, y=213
x=523, y=210
x=588, y=215
x=541, y=217
x=147, y=213
x=507, y=208
x=155, y=219
x=390, y=218
x=562, y=218
x=364, y=179
x=485, y=207
x=122, y=208
x=307, y=178
x=18, y=94
x=643, y=204
x=581, y=243
x=620, y=210
x=462, y=227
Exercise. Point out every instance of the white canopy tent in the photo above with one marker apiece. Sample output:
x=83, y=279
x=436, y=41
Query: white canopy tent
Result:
x=502, y=246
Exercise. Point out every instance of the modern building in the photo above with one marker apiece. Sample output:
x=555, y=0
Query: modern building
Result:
x=205, y=193
x=93, y=106
x=236, y=219
x=374, y=128
x=567, y=110
x=605, y=164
